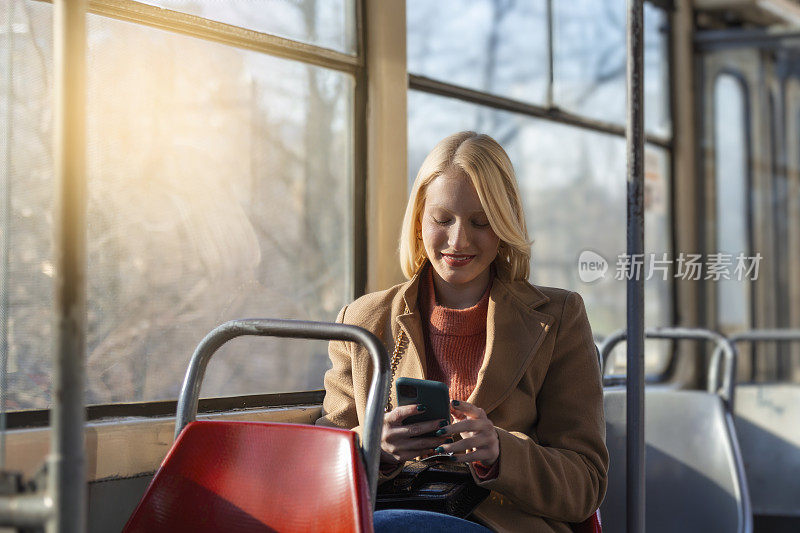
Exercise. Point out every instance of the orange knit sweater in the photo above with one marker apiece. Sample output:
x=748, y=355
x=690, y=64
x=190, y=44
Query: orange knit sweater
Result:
x=455, y=339
x=455, y=343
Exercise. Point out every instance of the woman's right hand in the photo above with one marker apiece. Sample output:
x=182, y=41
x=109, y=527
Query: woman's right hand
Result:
x=401, y=443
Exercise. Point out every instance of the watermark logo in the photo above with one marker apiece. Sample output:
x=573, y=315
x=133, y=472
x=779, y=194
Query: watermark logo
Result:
x=591, y=266
x=714, y=267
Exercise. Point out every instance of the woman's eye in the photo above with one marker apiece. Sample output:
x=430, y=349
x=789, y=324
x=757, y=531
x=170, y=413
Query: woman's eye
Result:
x=441, y=222
x=481, y=224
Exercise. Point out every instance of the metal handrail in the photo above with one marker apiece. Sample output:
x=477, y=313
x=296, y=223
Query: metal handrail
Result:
x=269, y=327
x=723, y=346
x=60, y=503
x=756, y=335
x=634, y=149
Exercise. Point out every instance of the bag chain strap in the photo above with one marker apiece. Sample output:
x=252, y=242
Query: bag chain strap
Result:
x=397, y=354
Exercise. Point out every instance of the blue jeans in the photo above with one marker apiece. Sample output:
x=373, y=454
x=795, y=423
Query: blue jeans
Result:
x=404, y=520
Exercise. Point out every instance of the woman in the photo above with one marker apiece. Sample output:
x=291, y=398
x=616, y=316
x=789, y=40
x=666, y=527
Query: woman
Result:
x=519, y=360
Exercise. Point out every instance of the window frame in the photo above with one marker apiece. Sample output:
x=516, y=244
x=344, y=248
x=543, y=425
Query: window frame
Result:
x=373, y=145
x=34, y=418
x=209, y=30
x=551, y=112
x=281, y=47
x=746, y=92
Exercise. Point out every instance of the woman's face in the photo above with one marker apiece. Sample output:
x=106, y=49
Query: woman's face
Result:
x=456, y=234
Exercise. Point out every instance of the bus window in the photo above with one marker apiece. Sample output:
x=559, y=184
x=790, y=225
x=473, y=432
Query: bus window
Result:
x=237, y=204
x=326, y=23
x=27, y=223
x=219, y=186
x=571, y=175
x=732, y=199
x=589, y=50
x=573, y=190
x=500, y=33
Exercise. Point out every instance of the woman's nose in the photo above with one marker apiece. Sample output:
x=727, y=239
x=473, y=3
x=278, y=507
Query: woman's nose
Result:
x=459, y=236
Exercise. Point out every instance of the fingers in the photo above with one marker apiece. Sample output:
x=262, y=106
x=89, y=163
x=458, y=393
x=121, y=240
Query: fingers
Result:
x=403, y=442
x=388, y=458
x=479, y=437
x=483, y=456
x=462, y=409
x=479, y=440
x=467, y=445
x=463, y=426
x=427, y=444
x=405, y=438
x=406, y=449
x=478, y=448
x=398, y=414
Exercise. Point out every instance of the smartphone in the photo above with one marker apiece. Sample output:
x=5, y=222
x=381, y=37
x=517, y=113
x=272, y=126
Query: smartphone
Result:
x=432, y=394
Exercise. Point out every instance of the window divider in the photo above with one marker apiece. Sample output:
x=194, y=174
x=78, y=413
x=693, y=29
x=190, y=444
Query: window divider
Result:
x=210, y=30
x=554, y=114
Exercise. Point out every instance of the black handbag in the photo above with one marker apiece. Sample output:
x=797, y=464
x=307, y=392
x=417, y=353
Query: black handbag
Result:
x=433, y=484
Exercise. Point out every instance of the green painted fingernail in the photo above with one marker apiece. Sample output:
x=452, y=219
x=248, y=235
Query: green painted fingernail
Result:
x=421, y=407
x=449, y=441
x=442, y=423
x=455, y=403
x=441, y=432
x=439, y=450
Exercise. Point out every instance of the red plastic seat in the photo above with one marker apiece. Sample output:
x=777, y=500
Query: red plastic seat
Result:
x=590, y=525
x=245, y=476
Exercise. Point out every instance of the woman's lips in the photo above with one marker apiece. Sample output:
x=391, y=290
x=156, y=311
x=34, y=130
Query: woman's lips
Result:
x=457, y=260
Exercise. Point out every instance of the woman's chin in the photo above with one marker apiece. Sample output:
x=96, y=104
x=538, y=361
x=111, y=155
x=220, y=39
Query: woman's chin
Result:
x=456, y=276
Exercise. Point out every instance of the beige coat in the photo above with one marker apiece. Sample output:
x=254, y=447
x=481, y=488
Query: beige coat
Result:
x=539, y=384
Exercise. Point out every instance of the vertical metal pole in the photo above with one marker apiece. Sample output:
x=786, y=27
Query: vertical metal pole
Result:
x=634, y=132
x=549, y=15
x=67, y=461
x=5, y=262
x=359, y=164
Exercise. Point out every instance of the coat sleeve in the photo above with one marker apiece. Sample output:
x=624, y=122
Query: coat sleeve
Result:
x=339, y=406
x=559, y=469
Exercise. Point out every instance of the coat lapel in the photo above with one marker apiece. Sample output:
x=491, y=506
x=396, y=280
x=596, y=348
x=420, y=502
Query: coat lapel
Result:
x=412, y=363
x=514, y=332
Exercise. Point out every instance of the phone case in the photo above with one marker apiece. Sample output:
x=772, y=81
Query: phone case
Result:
x=434, y=395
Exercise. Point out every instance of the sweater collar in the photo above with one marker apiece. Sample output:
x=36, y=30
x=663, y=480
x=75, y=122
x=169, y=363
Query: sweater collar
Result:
x=453, y=322
x=522, y=292
x=514, y=332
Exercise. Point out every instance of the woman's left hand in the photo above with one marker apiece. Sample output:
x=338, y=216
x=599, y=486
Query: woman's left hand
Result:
x=479, y=441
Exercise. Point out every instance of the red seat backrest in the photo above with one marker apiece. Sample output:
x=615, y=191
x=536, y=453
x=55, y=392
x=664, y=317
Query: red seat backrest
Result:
x=246, y=476
x=590, y=525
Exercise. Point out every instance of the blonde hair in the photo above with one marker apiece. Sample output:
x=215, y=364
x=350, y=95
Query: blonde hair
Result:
x=489, y=169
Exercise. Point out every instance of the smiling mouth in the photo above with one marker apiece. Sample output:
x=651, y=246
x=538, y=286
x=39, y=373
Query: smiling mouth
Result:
x=457, y=259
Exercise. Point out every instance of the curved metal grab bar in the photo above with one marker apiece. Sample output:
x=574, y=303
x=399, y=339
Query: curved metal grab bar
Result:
x=723, y=345
x=757, y=335
x=269, y=327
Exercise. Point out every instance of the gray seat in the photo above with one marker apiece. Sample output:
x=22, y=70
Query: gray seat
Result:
x=767, y=418
x=694, y=476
